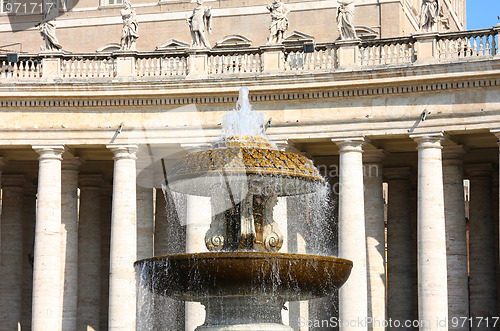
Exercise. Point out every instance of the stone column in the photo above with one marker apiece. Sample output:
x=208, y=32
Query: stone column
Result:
x=106, y=202
x=431, y=236
x=161, y=242
x=198, y=222
x=29, y=217
x=456, y=242
x=69, y=241
x=2, y=163
x=123, y=246
x=89, y=254
x=47, y=265
x=145, y=222
x=400, y=258
x=353, y=303
x=11, y=266
x=375, y=235
x=482, y=264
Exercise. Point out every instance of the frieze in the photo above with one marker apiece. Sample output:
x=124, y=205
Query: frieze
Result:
x=256, y=97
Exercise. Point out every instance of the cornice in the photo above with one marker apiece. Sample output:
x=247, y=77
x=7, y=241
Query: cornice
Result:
x=363, y=82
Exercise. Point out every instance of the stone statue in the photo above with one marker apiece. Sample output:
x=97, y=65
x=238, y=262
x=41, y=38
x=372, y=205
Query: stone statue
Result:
x=279, y=22
x=47, y=28
x=429, y=15
x=199, y=21
x=345, y=20
x=130, y=30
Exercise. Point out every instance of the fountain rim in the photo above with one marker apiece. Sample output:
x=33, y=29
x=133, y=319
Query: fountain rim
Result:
x=246, y=255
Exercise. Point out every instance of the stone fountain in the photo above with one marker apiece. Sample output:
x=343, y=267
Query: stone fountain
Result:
x=243, y=281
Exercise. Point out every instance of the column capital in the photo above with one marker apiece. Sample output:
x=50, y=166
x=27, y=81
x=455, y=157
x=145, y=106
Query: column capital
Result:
x=71, y=163
x=350, y=144
x=14, y=180
x=479, y=170
x=398, y=173
x=123, y=151
x=429, y=139
x=49, y=152
x=374, y=155
x=454, y=154
x=90, y=180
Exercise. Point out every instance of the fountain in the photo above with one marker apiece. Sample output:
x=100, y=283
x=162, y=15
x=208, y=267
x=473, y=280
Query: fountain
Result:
x=243, y=281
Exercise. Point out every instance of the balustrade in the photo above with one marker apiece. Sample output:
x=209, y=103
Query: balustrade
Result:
x=87, y=67
x=25, y=68
x=464, y=44
x=327, y=57
x=323, y=58
x=235, y=63
x=390, y=51
x=163, y=65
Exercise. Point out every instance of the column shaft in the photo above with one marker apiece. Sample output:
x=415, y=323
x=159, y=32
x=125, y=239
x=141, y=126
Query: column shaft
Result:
x=47, y=256
x=145, y=222
x=11, y=266
x=400, y=258
x=89, y=254
x=352, y=240
x=454, y=208
x=431, y=236
x=29, y=217
x=375, y=236
x=482, y=262
x=106, y=202
x=69, y=241
x=123, y=246
x=198, y=222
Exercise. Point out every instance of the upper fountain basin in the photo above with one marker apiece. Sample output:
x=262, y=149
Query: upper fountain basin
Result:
x=238, y=160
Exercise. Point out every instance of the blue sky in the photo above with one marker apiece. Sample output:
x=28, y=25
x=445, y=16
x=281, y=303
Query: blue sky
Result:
x=482, y=13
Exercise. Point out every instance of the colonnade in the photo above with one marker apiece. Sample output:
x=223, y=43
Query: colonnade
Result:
x=424, y=277
x=428, y=281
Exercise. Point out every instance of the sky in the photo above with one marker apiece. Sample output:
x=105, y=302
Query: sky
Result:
x=482, y=13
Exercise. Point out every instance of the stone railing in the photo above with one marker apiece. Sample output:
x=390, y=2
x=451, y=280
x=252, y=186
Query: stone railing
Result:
x=276, y=59
x=87, y=66
x=467, y=44
x=27, y=67
x=154, y=65
x=323, y=58
x=249, y=61
x=387, y=51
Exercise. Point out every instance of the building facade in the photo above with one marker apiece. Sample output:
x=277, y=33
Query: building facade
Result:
x=85, y=137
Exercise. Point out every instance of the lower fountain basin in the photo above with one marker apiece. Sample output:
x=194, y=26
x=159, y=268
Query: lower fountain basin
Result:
x=270, y=276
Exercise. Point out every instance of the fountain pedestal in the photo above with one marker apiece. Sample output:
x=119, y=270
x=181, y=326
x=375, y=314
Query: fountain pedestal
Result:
x=264, y=315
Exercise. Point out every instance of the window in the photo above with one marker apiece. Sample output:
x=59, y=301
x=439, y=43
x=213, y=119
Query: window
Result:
x=111, y=2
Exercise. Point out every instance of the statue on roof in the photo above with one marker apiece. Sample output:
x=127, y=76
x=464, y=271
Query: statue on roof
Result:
x=279, y=22
x=345, y=20
x=47, y=28
x=130, y=30
x=429, y=12
x=200, y=21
